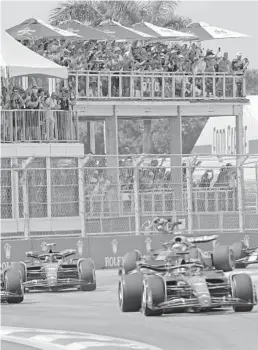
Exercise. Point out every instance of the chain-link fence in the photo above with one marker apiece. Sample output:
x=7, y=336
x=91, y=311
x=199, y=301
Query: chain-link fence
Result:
x=123, y=194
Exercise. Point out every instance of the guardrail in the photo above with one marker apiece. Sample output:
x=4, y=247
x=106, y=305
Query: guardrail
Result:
x=147, y=85
x=39, y=126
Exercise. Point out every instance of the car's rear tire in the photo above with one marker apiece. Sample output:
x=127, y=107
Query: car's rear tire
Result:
x=86, y=271
x=21, y=268
x=237, y=249
x=130, y=292
x=242, y=288
x=223, y=258
x=153, y=288
x=13, y=284
x=130, y=261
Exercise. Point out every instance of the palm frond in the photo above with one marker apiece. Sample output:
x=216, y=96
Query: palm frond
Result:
x=126, y=12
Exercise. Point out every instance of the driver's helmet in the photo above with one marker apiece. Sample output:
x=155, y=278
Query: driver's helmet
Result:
x=180, y=246
x=47, y=259
x=54, y=258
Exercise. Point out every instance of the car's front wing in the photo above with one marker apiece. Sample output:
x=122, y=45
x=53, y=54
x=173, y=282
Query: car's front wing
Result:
x=182, y=303
x=4, y=295
x=57, y=283
x=248, y=260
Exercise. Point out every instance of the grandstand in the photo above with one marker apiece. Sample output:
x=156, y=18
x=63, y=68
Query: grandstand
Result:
x=50, y=187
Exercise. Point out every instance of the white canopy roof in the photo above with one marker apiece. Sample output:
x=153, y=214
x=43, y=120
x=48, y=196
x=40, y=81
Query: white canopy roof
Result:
x=21, y=61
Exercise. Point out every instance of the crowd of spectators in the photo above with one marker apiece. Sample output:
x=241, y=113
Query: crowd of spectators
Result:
x=126, y=56
x=39, y=115
x=123, y=57
x=212, y=190
x=146, y=57
x=15, y=97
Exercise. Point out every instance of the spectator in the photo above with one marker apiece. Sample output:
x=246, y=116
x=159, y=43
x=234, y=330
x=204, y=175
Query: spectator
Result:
x=224, y=64
x=51, y=104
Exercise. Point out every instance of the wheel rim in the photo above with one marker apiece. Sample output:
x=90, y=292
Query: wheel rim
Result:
x=231, y=260
x=120, y=295
x=144, y=297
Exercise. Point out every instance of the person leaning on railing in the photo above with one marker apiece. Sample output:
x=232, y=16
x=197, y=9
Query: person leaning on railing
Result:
x=239, y=66
x=51, y=105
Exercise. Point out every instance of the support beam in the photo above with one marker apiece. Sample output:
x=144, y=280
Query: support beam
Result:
x=175, y=125
x=24, y=182
x=240, y=149
x=147, y=137
x=92, y=137
x=111, y=134
x=81, y=165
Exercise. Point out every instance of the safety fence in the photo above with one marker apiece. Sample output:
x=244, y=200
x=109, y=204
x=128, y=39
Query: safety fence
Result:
x=123, y=194
x=153, y=85
x=39, y=126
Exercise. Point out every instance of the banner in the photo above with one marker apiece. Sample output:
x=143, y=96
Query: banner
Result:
x=12, y=250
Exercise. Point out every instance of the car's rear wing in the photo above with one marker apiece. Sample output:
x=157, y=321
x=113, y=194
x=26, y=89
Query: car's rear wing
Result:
x=203, y=239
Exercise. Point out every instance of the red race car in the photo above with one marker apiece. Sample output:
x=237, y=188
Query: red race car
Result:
x=53, y=271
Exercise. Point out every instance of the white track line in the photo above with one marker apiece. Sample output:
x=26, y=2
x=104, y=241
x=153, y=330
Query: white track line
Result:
x=44, y=338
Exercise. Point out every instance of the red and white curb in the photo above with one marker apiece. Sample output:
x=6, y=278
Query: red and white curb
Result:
x=45, y=339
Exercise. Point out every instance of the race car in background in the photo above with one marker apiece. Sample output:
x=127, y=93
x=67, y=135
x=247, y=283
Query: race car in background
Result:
x=11, y=290
x=167, y=288
x=244, y=255
x=183, y=250
x=53, y=271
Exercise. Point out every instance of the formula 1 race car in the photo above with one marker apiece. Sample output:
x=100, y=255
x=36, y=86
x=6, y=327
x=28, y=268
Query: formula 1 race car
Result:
x=189, y=287
x=53, y=271
x=244, y=255
x=11, y=286
x=182, y=250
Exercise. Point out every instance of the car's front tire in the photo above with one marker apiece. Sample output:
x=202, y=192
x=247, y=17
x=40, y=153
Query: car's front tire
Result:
x=13, y=285
x=223, y=258
x=242, y=288
x=86, y=272
x=154, y=291
x=130, y=261
x=129, y=292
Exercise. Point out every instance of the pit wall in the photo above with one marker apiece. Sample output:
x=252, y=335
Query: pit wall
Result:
x=106, y=251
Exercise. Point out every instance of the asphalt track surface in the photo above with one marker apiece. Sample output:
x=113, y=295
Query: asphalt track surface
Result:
x=97, y=313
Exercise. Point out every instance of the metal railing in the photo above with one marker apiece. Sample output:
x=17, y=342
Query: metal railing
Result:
x=39, y=126
x=147, y=85
x=42, y=196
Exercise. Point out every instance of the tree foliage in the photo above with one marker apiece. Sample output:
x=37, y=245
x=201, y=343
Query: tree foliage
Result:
x=126, y=12
x=252, y=82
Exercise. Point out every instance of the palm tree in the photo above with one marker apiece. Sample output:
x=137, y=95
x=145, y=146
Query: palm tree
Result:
x=127, y=12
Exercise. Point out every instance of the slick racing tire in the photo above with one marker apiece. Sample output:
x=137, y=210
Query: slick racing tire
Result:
x=237, y=249
x=242, y=288
x=87, y=274
x=13, y=285
x=154, y=289
x=223, y=258
x=21, y=268
x=130, y=292
x=130, y=261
